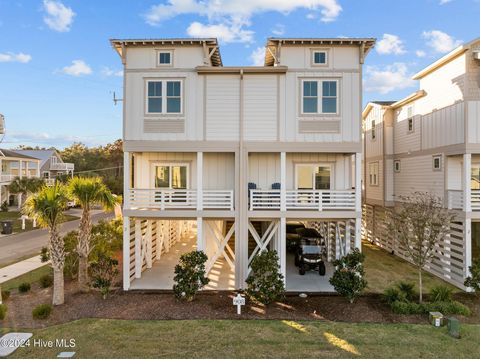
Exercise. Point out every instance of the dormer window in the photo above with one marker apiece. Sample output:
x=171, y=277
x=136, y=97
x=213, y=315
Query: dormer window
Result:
x=165, y=58
x=319, y=57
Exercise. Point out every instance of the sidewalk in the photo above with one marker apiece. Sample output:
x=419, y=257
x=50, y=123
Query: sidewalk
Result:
x=20, y=268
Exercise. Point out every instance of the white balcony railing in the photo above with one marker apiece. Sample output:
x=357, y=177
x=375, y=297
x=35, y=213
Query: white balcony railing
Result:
x=475, y=199
x=62, y=166
x=7, y=178
x=178, y=199
x=455, y=199
x=318, y=200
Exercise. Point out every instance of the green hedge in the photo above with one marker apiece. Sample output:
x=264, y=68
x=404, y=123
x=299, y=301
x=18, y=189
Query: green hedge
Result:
x=446, y=308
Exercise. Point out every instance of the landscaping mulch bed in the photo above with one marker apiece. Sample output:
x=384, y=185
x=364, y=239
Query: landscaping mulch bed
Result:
x=150, y=306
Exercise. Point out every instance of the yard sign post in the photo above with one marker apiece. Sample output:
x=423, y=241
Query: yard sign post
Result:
x=239, y=301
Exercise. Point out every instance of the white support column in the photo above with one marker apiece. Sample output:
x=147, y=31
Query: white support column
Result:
x=200, y=236
x=19, y=199
x=26, y=169
x=282, y=247
x=138, y=248
x=467, y=247
x=283, y=181
x=199, y=181
x=159, y=239
x=358, y=233
x=149, y=243
x=126, y=253
x=20, y=169
x=347, y=236
x=358, y=182
x=467, y=169
x=38, y=168
x=126, y=179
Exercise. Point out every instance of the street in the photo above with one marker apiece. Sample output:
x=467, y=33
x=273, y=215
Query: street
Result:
x=22, y=245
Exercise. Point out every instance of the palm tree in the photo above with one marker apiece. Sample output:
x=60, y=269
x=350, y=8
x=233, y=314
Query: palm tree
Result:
x=47, y=206
x=87, y=192
x=25, y=186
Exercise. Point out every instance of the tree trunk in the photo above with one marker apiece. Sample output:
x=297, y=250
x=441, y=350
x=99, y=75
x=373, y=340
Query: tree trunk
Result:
x=58, y=292
x=57, y=255
x=83, y=249
x=420, y=284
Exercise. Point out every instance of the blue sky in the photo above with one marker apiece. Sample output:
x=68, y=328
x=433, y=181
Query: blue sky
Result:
x=58, y=71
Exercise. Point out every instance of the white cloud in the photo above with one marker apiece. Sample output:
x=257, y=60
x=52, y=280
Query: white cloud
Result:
x=224, y=32
x=12, y=57
x=58, y=16
x=420, y=53
x=387, y=79
x=443, y=2
x=390, y=44
x=278, y=30
x=15, y=138
x=439, y=41
x=257, y=57
x=107, y=71
x=77, y=68
x=225, y=17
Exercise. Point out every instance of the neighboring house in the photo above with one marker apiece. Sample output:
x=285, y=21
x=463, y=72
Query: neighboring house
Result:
x=233, y=154
x=13, y=165
x=429, y=142
x=51, y=163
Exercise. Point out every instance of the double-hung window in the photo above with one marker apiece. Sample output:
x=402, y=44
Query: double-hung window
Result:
x=164, y=97
x=320, y=97
x=373, y=173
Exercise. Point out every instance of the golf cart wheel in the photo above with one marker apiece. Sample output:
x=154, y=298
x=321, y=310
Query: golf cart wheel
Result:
x=302, y=271
x=321, y=269
x=297, y=260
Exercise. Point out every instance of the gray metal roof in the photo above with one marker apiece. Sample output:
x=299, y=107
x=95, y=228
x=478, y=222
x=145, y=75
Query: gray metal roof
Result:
x=10, y=153
x=42, y=155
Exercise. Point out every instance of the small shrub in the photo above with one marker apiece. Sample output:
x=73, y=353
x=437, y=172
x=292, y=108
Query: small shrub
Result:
x=392, y=294
x=4, y=206
x=446, y=308
x=348, y=276
x=5, y=294
x=400, y=307
x=408, y=290
x=441, y=293
x=3, y=311
x=265, y=282
x=473, y=281
x=24, y=287
x=190, y=275
x=103, y=272
x=46, y=281
x=42, y=311
x=44, y=255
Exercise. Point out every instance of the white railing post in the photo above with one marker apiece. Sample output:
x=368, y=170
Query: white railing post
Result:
x=231, y=200
x=467, y=168
x=283, y=181
x=320, y=199
x=138, y=249
x=126, y=180
x=199, y=181
x=251, y=199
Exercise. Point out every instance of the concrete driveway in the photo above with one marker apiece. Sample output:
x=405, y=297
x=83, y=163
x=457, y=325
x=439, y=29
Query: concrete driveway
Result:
x=30, y=243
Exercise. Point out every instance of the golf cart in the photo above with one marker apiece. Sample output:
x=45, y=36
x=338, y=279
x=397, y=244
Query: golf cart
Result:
x=311, y=251
x=293, y=238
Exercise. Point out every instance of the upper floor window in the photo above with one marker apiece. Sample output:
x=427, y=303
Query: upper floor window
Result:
x=373, y=174
x=319, y=57
x=410, y=125
x=165, y=58
x=314, y=102
x=374, y=130
x=164, y=97
x=437, y=162
x=396, y=166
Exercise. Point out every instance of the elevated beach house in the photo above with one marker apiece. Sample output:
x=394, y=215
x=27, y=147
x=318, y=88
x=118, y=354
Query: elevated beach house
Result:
x=429, y=142
x=226, y=159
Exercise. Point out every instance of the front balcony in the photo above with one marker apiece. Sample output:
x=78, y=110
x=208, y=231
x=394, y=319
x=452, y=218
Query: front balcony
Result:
x=62, y=166
x=455, y=200
x=316, y=200
x=174, y=199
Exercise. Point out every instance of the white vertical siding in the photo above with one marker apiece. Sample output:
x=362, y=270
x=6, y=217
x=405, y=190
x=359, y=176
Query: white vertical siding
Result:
x=405, y=141
x=222, y=107
x=443, y=127
x=374, y=147
x=219, y=171
x=260, y=107
x=473, y=120
x=454, y=172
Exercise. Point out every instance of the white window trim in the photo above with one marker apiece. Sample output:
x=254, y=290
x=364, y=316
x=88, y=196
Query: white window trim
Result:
x=170, y=164
x=373, y=174
x=319, y=97
x=164, y=96
x=373, y=130
x=43, y=174
x=158, y=58
x=399, y=166
x=316, y=164
x=440, y=162
x=413, y=125
x=312, y=57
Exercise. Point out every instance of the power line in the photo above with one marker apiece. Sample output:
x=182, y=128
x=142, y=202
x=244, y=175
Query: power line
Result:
x=99, y=169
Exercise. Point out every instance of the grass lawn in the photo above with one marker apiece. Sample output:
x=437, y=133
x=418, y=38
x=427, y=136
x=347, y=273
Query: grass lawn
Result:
x=252, y=339
x=17, y=222
x=30, y=277
x=382, y=269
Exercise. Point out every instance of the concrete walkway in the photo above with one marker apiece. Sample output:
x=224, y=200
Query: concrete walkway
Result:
x=20, y=268
x=29, y=244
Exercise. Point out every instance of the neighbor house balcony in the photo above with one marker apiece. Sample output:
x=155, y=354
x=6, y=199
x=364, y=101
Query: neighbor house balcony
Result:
x=62, y=166
x=175, y=199
x=316, y=200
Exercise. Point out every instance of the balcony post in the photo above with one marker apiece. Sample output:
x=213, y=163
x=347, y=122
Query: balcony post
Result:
x=199, y=181
x=358, y=182
x=20, y=169
x=126, y=180
x=38, y=168
x=126, y=253
x=200, y=239
x=282, y=247
x=26, y=170
x=283, y=181
x=467, y=169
